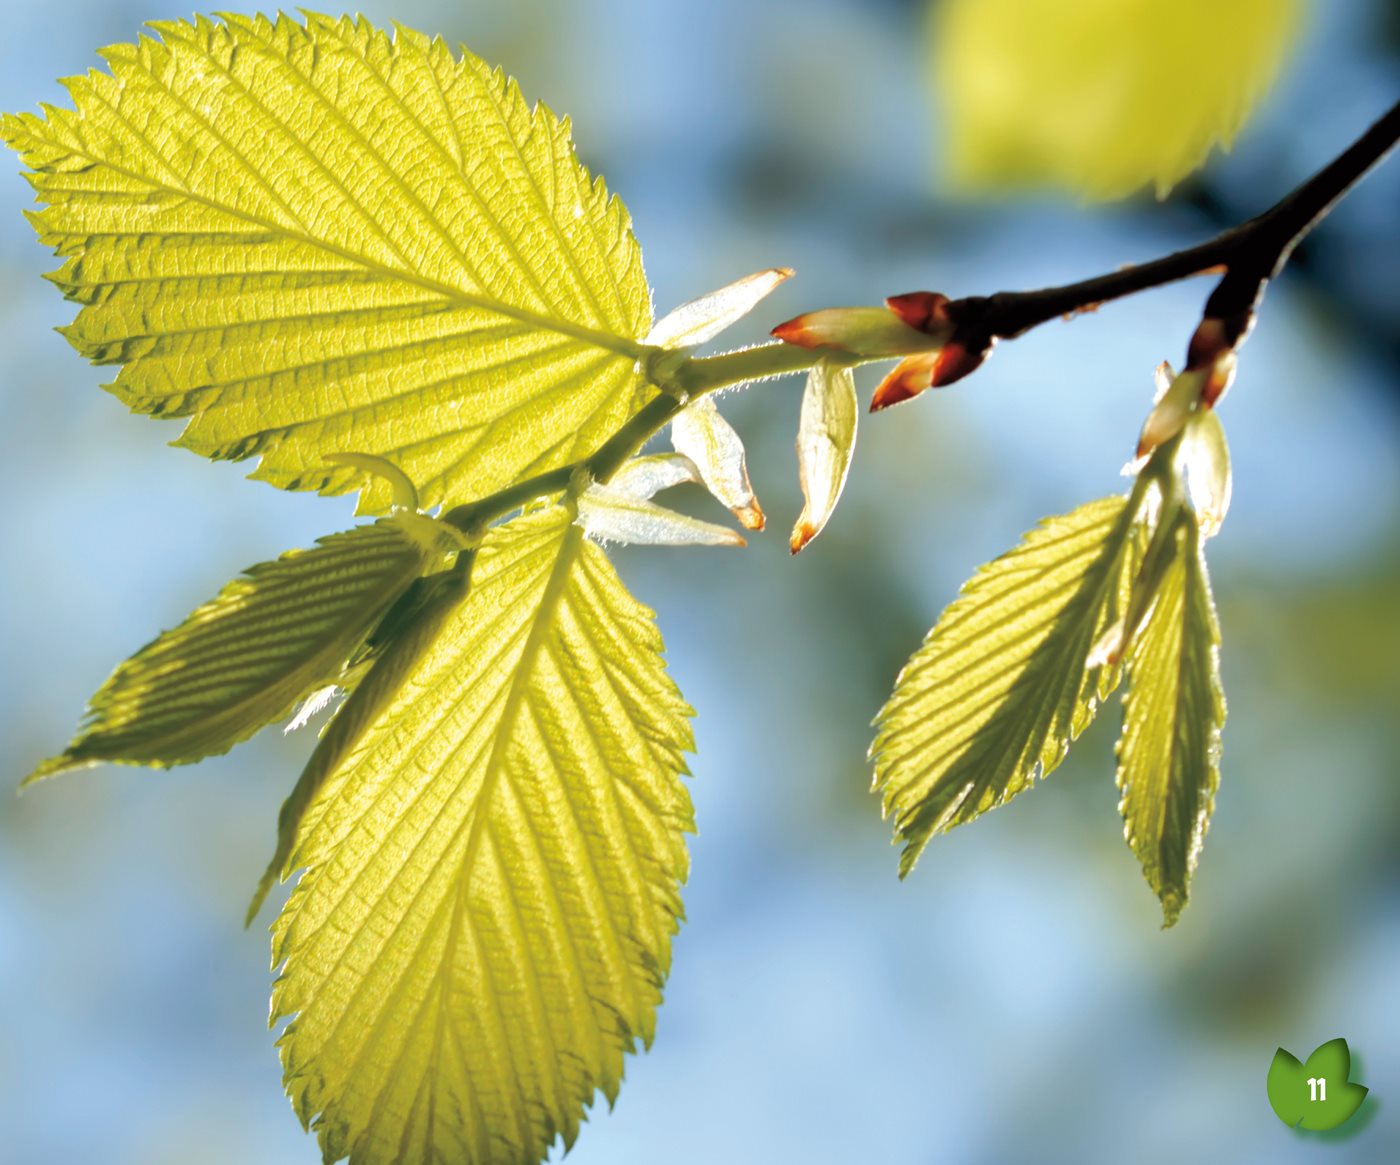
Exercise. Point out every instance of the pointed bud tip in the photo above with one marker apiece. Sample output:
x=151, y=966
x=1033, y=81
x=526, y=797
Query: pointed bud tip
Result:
x=910, y=377
x=795, y=331
x=954, y=362
x=802, y=534
x=751, y=516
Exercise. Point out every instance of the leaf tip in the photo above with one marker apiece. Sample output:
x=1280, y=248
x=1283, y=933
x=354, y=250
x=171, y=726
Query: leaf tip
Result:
x=1173, y=903
x=50, y=768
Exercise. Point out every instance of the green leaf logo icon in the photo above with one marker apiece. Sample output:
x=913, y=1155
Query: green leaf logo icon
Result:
x=1317, y=1095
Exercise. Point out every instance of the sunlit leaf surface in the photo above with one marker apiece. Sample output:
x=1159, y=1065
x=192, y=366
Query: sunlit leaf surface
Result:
x=1002, y=684
x=313, y=239
x=1169, y=754
x=246, y=657
x=492, y=872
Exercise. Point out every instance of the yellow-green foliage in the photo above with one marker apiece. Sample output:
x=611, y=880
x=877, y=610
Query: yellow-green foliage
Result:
x=312, y=239
x=1100, y=96
x=492, y=872
x=1003, y=684
x=246, y=657
x=1169, y=754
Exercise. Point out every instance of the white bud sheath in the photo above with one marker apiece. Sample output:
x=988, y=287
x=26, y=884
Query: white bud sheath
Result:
x=610, y=515
x=826, y=440
x=1172, y=408
x=703, y=319
x=1206, y=458
x=701, y=434
x=644, y=477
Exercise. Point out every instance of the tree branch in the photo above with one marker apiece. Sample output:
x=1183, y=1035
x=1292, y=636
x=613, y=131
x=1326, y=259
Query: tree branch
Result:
x=1251, y=254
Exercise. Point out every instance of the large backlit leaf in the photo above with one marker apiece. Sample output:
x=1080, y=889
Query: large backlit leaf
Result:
x=1100, y=96
x=1001, y=686
x=1169, y=754
x=492, y=872
x=246, y=657
x=317, y=239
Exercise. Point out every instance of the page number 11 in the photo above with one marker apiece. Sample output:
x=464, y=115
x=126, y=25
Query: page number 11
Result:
x=1317, y=1087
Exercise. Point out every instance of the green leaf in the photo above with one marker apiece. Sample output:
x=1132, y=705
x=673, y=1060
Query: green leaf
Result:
x=1317, y=1095
x=412, y=626
x=1169, y=753
x=1100, y=97
x=1002, y=684
x=316, y=239
x=492, y=872
x=249, y=655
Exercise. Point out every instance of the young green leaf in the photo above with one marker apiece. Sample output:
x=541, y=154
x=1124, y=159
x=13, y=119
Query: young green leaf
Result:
x=826, y=441
x=313, y=238
x=1100, y=97
x=397, y=645
x=1002, y=684
x=1169, y=753
x=492, y=872
x=249, y=655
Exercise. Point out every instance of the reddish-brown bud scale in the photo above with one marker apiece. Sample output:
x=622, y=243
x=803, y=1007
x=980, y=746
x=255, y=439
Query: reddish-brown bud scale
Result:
x=909, y=378
x=795, y=332
x=924, y=310
x=1207, y=342
x=956, y=361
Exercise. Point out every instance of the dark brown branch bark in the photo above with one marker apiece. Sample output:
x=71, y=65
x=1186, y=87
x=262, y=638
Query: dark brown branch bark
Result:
x=1250, y=255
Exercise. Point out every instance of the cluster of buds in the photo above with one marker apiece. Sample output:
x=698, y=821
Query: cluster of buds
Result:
x=916, y=326
x=1209, y=372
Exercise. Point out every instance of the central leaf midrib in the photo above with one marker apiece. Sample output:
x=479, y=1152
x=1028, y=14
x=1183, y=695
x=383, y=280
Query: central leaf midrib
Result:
x=494, y=769
x=609, y=341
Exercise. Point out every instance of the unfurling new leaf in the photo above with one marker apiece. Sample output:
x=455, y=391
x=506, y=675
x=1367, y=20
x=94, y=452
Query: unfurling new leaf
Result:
x=1169, y=753
x=248, y=656
x=313, y=238
x=492, y=871
x=1004, y=682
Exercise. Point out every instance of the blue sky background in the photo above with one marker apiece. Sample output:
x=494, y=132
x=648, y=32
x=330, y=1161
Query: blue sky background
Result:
x=1015, y=999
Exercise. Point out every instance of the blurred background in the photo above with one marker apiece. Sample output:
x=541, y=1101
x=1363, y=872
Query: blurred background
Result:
x=1015, y=999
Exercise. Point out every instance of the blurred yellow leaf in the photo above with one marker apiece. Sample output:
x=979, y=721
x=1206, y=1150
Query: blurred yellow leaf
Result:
x=1100, y=96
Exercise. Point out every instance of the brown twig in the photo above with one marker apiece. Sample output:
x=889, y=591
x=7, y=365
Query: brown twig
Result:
x=1250, y=255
